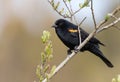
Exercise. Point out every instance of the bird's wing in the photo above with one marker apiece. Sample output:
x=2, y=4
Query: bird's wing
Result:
x=95, y=50
x=92, y=40
x=73, y=36
x=73, y=32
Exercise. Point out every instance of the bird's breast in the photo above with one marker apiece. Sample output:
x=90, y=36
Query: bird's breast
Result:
x=66, y=37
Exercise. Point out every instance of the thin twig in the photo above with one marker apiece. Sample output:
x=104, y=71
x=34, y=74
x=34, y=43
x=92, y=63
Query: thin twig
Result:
x=79, y=33
x=65, y=16
x=82, y=21
x=79, y=30
x=116, y=10
x=112, y=13
x=109, y=25
x=112, y=16
x=93, y=16
x=72, y=13
x=101, y=23
x=78, y=10
x=76, y=22
x=67, y=7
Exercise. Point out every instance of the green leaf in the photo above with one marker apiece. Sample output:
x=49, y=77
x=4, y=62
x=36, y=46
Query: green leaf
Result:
x=118, y=78
x=69, y=0
x=38, y=71
x=61, y=11
x=67, y=14
x=49, y=50
x=52, y=70
x=52, y=3
x=80, y=5
x=56, y=6
x=46, y=68
x=43, y=69
x=85, y=4
x=107, y=17
x=47, y=77
x=43, y=58
x=113, y=80
x=45, y=36
x=41, y=79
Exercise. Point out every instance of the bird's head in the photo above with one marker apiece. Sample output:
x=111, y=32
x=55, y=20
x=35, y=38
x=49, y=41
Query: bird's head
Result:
x=61, y=23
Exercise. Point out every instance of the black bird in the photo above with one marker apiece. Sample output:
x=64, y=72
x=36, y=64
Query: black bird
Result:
x=69, y=35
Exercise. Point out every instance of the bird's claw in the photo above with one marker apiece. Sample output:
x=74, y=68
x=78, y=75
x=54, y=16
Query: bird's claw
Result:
x=76, y=49
x=69, y=51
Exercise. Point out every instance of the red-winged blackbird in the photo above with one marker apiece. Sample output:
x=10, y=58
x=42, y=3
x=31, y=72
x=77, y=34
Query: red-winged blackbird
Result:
x=69, y=35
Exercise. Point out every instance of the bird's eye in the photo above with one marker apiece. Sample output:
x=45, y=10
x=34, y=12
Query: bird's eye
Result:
x=61, y=24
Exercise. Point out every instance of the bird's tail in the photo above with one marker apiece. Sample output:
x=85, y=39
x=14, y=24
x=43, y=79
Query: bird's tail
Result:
x=98, y=53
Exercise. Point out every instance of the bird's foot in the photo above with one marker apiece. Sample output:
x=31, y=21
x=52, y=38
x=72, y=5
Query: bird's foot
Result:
x=69, y=51
x=76, y=49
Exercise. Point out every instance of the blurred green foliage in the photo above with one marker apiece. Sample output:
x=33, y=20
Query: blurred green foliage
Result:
x=43, y=70
x=116, y=79
x=85, y=4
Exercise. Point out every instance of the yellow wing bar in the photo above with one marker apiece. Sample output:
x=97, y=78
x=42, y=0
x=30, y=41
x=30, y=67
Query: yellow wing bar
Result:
x=72, y=30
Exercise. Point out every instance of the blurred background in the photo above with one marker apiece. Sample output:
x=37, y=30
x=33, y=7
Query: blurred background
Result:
x=21, y=26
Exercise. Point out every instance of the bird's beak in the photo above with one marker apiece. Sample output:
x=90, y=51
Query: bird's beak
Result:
x=54, y=26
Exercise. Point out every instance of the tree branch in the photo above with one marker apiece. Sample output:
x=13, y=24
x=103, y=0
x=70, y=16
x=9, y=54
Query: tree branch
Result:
x=67, y=7
x=59, y=12
x=93, y=16
x=109, y=25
